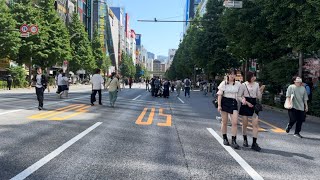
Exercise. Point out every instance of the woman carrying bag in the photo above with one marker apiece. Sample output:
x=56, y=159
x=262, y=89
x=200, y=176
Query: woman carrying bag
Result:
x=296, y=103
x=250, y=93
x=228, y=105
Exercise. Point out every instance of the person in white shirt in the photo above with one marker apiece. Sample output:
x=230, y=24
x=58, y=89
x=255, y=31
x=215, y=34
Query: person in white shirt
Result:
x=97, y=82
x=60, y=83
x=228, y=105
x=249, y=93
x=113, y=85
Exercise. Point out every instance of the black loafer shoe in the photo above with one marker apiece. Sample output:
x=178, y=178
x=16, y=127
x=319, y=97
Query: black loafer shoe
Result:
x=245, y=143
x=256, y=147
x=298, y=135
x=226, y=142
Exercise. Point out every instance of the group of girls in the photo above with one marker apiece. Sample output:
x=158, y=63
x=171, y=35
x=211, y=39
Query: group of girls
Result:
x=230, y=93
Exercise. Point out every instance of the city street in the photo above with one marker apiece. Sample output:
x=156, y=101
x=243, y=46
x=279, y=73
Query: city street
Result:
x=143, y=138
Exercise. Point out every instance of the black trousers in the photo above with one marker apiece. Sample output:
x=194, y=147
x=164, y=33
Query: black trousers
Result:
x=9, y=85
x=93, y=96
x=187, y=91
x=296, y=117
x=40, y=92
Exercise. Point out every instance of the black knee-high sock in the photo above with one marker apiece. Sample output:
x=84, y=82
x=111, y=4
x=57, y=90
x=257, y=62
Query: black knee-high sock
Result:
x=224, y=136
x=254, y=141
x=234, y=138
x=245, y=138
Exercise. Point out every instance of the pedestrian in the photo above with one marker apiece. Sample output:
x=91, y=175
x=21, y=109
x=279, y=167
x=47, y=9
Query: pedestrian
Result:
x=228, y=105
x=60, y=83
x=41, y=83
x=9, y=82
x=178, y=87
x=157, y=85
x=97, y=83
x=166, y=89
x=147, y=84
x=130, y=82
x=249, y=94
x=113, y=85
x=65, y=85
x=187, y=87
x=172, y=86
x=296, y=96
x=152, y=87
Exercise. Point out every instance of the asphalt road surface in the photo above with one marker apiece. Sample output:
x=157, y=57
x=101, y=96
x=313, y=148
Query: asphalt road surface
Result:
x=143, y=138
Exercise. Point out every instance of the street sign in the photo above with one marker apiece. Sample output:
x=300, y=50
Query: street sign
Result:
x=24, y=28
x=34, y=29
x=27, y=34
x=232, y=4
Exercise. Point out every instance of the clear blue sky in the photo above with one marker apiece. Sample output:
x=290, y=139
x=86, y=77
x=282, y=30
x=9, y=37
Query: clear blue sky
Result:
x=157, y=38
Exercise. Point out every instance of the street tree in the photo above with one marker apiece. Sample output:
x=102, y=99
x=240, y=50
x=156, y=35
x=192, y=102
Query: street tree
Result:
x=82, y=56
x=9, y=35
x=97, y=48
x=127, y=67
x=57, y=47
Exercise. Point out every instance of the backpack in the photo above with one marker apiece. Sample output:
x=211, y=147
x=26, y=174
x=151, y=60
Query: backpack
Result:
x=187, y=82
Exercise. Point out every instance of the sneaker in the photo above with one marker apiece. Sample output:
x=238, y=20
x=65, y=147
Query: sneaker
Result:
x=288, y=129
x=40, y=108
x=298, y=135
x=256, y=147
x=92, y=104
x=226, y=142
x=234, y=145
x=245, y=143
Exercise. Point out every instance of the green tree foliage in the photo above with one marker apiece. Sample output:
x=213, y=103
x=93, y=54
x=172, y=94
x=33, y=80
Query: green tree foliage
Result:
x=82, y=57
x=315, y=104
x=127, y=67
x=97, y=49
x=9, y=38
x=18, y=74
x=57, y=47
x=25, y=12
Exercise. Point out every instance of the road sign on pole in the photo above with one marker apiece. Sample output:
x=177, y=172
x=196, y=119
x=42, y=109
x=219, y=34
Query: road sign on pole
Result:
x=24, y=28
x=34, y=29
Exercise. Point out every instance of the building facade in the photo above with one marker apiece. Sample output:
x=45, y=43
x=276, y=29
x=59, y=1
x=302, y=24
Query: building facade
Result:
x=171, y=54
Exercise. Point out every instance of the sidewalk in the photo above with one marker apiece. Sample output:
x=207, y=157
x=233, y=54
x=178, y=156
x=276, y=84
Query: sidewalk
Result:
x=284, y=111
x=31, y=89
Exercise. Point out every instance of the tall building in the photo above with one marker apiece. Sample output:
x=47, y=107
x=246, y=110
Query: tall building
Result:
x=85, y=11
x=119, y=13
x=138, y=49
x=171, y=55
x=156, y=67
x=113, y=40
x=203, y=7
x=99, y=21
x=151, y=55
x=163, y=59
x=189, y=12
x=132, y=50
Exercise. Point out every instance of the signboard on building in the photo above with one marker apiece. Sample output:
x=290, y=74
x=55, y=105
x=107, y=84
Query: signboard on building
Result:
x=138, y=39
x=127, y=28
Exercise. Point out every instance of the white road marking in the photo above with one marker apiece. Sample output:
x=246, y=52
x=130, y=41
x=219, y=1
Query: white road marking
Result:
x=254, y=175
x=49, y=104
x=136, y=97
x=27, y=172
x=181, y=100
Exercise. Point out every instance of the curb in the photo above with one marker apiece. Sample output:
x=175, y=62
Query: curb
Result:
x=310, y=118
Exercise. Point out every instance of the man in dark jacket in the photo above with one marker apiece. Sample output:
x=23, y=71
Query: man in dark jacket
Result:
x=40, y=82
x=9, y=82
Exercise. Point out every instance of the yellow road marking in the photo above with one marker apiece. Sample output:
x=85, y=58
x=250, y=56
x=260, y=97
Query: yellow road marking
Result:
x=150, y=119
x=249, y=123
x=168, y=116
x=47, y=114
x=275, y=128
x=79, y=111
x=56, y=112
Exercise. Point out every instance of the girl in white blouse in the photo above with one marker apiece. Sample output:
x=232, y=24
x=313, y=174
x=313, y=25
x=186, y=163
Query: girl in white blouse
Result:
x=249, y=94
x=228, y=106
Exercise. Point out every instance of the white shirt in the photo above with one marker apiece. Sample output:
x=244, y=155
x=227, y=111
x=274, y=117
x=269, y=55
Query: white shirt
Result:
x=60, y=80
x=97, y=82
x=229, y=90
x=254, y=91
x=38, y=78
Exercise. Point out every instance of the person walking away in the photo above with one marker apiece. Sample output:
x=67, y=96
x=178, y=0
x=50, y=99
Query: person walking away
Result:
x=147, y=84
x=228, y=105
x=152, y=87
x=249, y=94
x=299, y=105
x=97, y=82
x=60, y=83
x=130, y=82
x=166, y=89
x=172, y=86
x=187, y=87
x=178, y=87
x=41, y=83
x=113, y=85
x=9, y=82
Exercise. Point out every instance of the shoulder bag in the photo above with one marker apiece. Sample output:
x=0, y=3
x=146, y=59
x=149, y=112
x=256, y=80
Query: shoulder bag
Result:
x=257, y=107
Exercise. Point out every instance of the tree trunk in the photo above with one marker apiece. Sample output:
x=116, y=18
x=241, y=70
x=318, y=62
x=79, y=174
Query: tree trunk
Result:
x=300, y=63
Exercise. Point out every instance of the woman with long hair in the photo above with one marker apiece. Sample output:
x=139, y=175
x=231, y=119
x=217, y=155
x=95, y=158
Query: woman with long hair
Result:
x=228, y=105
x=250, y=92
